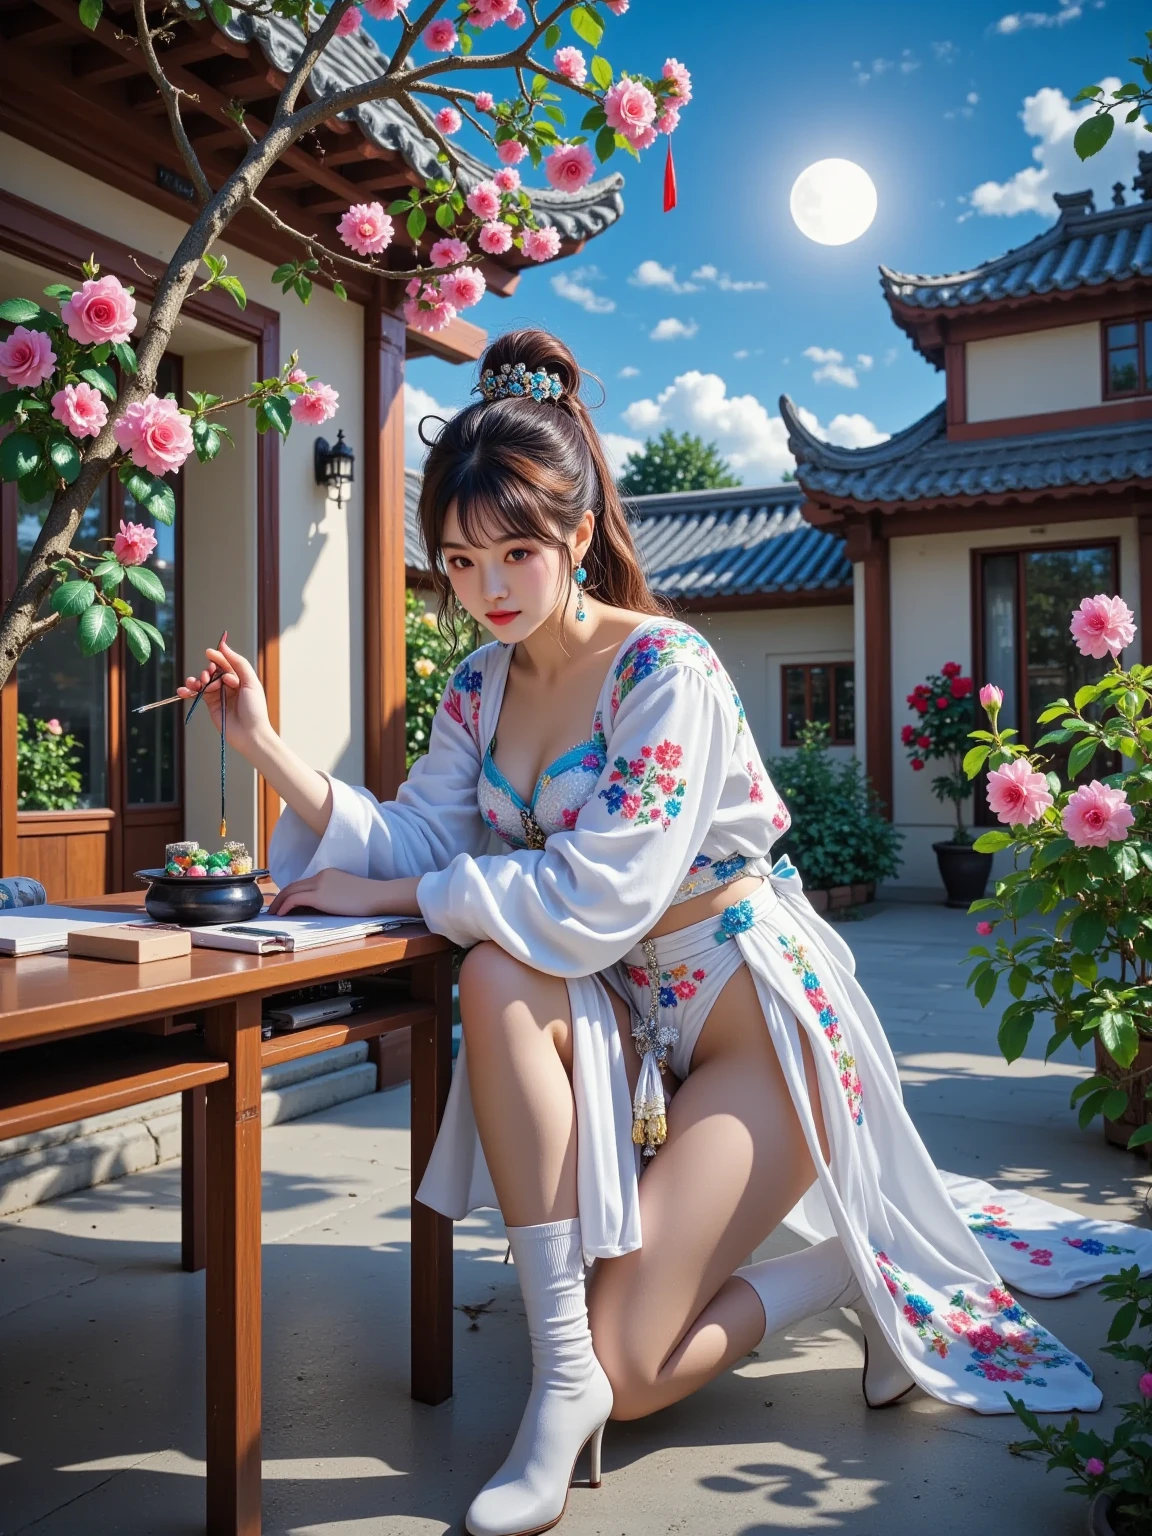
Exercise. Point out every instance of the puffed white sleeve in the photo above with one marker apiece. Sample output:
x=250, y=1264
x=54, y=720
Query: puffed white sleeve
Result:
x=434, y=817
x=578, y=904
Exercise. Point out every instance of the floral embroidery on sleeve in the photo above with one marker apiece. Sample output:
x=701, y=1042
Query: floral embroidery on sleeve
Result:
x=462, y=698
x=660, y=647
x=647, y=789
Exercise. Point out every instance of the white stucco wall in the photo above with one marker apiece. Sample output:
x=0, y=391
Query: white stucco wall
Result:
x=321, y=552
x=1034, y=372
x=754, y=645
x=932, y=623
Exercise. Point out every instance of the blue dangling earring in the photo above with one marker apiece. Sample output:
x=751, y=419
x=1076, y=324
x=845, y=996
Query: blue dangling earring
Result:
x=580, y=576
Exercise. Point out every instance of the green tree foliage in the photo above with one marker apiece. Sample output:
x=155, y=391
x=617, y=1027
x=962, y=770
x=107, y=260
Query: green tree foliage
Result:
x=431, y=655
x=675, y=462
x=1129, y=99
x=47, y=767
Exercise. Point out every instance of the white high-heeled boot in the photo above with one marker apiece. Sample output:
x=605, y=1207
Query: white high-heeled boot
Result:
x=571, y=1396
x=798, y=1285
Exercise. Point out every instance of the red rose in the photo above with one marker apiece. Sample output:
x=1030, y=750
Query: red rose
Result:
x=916, y=765
x=951, y=669
x=908, y=735
x=941, y=702
x=920, y=706
x=923, y=741
x=961, y=687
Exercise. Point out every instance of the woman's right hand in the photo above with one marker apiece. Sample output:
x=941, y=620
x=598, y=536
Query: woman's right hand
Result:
x=247, y=723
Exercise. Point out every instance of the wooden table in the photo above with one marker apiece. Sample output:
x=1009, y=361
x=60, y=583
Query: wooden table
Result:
x=67, y=1053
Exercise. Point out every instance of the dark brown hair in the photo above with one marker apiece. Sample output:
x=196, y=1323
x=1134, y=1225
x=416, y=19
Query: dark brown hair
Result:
x=518, y=468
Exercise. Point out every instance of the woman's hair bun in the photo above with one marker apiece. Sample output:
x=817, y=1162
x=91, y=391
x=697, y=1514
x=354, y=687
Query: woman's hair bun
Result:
x=535, y=349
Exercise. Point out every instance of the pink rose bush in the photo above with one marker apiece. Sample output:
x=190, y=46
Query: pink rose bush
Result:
x=484, y=200
x=570, y=167
x=485, y=101
x=316, y=405
x=448, y=252
x=27, y=358
x=449, y=121
x=510, y=152
x=1018, y=795
x=385, y=10
x=1096, y=816
x=80, y=409
x=542, y=244
x=155, y=434
x=101, y=310
x=507, y=179
x=133, y=544
x=1102, y=626
x=570, y=63
x=440, y=36
x=495, y=238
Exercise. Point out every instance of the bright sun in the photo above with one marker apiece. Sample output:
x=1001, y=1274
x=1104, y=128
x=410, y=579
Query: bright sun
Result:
x=833, y=202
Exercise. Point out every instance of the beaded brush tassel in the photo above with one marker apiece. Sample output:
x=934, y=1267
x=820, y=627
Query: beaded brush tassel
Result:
x=649, y=1111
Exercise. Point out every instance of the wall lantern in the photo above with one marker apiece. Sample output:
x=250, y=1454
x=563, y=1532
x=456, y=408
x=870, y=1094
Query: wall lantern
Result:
x=334, y=464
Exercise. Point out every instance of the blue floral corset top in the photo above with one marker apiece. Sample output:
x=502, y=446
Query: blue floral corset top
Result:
x=560, y=793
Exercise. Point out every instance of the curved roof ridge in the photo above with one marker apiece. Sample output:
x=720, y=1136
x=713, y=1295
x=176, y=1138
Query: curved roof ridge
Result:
x=807, y=448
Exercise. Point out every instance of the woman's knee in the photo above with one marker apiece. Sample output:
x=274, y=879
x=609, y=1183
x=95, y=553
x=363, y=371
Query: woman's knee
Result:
x=492, y=983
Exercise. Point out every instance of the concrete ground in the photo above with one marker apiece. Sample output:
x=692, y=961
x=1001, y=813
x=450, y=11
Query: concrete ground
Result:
x=101, y=1335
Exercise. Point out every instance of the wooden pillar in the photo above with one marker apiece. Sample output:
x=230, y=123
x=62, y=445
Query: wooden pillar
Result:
x=866, y=544
x=384, y=673
x=268, y=577
x=1144, y=529
x=8, y=513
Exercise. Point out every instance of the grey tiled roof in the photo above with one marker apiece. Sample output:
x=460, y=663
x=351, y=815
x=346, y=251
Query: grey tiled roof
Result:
x=698, y=544
x=348, y=60
x=1082, y=249
x=920, y=464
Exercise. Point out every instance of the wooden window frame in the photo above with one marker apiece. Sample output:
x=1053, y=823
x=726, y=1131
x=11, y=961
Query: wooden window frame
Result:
x=1143, y=388
x=807, y=668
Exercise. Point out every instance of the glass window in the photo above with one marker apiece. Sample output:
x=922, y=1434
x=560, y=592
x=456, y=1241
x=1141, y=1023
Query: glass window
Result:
x=821, y=693
x=1000, y=573
x=151, y=746
x=844, y=722
x=1055, y=581
x=795, y=702
x=1122, y=365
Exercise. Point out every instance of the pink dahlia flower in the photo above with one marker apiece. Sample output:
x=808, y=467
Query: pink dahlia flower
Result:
x=669, y=119
x=464, y=287
x=366, y=229
x=27, y=358
x=53, y=727
x=570, y=167
x=570, y=63
x=485, y=101
x=484, y=200
x=516, y=17
x=991, y=698
x=629, y=108
x=349, y=22
x=510, y=152
x=1102, y=624
x=100, y=310
x=81, y=409
x=428, y=320
x=675, y=71
x=385, y=10
x=1096, y=816
x=440, y=36
x=298, y=376
x=1017, y=793
x=316, y=405
x=448, y=120
x=542, y=244
x=1093, y=1466
x=133, y=544
x=507, y=178
x=984, y=929
x=447, y=252
x=495, y=238
x=155, y=433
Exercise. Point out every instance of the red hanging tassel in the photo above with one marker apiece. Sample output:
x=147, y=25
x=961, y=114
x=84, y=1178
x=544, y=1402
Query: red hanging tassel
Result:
x=669, y=180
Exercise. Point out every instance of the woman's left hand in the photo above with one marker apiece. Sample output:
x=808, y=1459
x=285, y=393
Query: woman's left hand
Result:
x=332, y=890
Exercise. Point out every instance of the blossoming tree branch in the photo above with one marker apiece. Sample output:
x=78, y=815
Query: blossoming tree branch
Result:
x=81, y=402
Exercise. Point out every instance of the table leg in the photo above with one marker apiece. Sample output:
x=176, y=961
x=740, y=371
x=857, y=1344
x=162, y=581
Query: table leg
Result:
x=193, y=1195
x=232, y=1283
x=431, y=1232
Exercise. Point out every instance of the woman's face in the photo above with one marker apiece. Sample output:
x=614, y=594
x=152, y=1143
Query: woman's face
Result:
x=511, y=585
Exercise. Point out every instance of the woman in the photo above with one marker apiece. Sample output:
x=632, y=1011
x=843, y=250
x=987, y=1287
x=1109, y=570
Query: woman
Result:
x=594, y=820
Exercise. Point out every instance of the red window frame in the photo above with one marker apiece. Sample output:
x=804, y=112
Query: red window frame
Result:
x=807, y=667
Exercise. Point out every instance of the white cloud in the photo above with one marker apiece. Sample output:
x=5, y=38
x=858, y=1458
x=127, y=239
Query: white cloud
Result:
x=628, y=372
x=863, y=360
x=890, y=356
x=710, y=274
x=908, y=62
x=650, y=274
x=618, y=447
x=1021, y=21
x=418, y=403
x=944, y=53
x=831, y=367
x=1051, y=119
x=972, y=98
x=753, y=442
x=573, y=285
x=672, y=329
x=743, y=352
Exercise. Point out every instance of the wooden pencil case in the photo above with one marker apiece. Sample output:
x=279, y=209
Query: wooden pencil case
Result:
x=135, y=944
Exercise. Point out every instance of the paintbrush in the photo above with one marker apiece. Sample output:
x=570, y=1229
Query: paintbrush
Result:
x=175, y=698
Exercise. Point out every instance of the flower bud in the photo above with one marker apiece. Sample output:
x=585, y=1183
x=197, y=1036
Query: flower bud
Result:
x=991, y=698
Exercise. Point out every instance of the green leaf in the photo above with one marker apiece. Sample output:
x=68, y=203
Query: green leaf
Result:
x=1124, y=1321
x=205, y=439
x=151, y=493
x=465, y=39
x=626, y=144
x=1115, y=1105
x=552, y=37
x=279, y=413
x=992, y=842
x=975, y=759
x=235, y=287
x=90, y=11
x=65, y=457
x=601, y=72
x=1082, y=754
x=107, y=567
x=1087, y=92
x=59, y=290
x=1050, y=852
x=1092, y=135
x=102, y=379
x=587, y=27
x=340, y=292
x=444, y=216
x=153, y=633
x=1012, y=1036
x=556, y=116
x=593, y=118
x=985, y=987
x=417, y=223
x=19, y=455
x=1120, y=1036
x=1088, y=931
x=146, y=582
x=19, y=311
x=101, y=353
x=10, y=404
x=40, y=483
x=1084, y=968
x=1141, y=1137
x=72, y=597
x=1018, y=980
x=97, y=629
x=605, y=144
x=124, y=355
x=287, y=270
x=221, y=13
x=136, y=640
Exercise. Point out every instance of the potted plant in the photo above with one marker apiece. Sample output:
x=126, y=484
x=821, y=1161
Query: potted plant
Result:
x=943, y=707
x=1082, y=858
x=47, y=766
x=1115, y=1474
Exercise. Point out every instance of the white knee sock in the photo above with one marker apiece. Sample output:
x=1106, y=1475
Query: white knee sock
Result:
x=798, y=1285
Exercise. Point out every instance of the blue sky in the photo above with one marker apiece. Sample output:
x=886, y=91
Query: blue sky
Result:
x=959, y=113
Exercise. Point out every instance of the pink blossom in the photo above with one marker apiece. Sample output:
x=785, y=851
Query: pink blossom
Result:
x=669, y=119
x=484, y=200
x=495, y=238
x=510, y=152
x=447, y=252
x=486, y=13
x=516, y=17
x=629, y=108
x=617, y=7
x=507, y=178
x=541, y=244
x=440, y=36
x=27, y=358
x=366, y=228
x=316, y=405
x=298, y=376
x=464, y=287
x=448, y=120
x=155, y=433
x=435, y=318
x=991, y=698
x=643, y=138
x=569, y=167
x=485, y=101
x=349, y=22
x=53, y=727
x=81, y=409
x=384, y=10
x=570, y=63
x=1102, y=624
x=1093, y=1466
x=100, y=310
x=133, y=544
x=1146, y=1384
x=983, y=929
x=1017, y=793
x=675, y=71
x=1096, y=816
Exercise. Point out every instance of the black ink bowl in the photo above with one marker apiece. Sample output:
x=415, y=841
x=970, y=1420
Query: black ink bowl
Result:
x=193, y=901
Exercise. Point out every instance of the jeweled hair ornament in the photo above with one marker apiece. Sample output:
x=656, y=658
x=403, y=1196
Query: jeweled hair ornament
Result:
x=514, y=381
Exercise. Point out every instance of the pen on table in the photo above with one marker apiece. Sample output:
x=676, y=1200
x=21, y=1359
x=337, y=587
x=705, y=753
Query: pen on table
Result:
x=175, y=698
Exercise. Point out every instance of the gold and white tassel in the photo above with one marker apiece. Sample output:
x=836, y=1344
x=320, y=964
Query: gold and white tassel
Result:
x=649, y=1110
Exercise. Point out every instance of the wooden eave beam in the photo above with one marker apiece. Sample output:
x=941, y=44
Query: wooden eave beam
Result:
x=92, y=63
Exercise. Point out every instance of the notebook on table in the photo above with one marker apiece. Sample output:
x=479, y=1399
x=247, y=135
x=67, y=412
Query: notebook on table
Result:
x=264, y=935
x=40, y=929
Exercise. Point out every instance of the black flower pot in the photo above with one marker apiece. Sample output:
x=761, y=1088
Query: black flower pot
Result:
x=1100, y=1516
x=193, y=901
x=963, y=871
